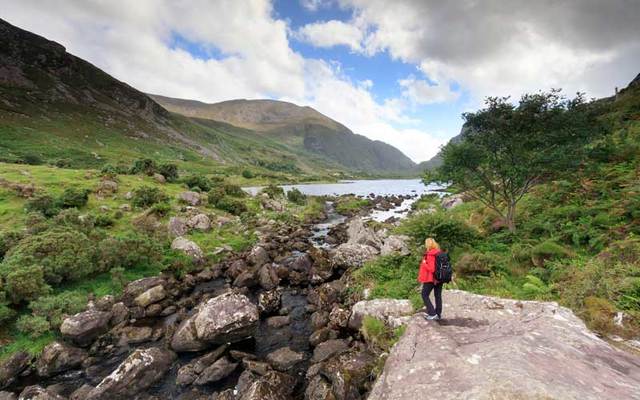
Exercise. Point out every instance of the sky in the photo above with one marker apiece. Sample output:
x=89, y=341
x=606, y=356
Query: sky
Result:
x=399, y=71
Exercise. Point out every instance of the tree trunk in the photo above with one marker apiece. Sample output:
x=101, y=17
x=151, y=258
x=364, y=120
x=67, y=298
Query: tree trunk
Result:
x=511, y=217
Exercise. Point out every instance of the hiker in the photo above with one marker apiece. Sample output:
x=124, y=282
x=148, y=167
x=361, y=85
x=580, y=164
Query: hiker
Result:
x=433, y=259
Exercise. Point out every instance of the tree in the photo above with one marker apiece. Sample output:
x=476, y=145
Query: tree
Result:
x=506, y=148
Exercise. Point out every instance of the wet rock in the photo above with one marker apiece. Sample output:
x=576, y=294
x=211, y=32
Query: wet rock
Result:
x=349, y=373
x=352, y=255
x=319, y=389
x=284, y=359
x=191, y=198
x=328, y=349
x=199, y=222
x=387, y=310
x=236, y=268
x=137, y=287
x=319, y=319
x=138, y=372
x=7, y=396
x=188, y=247
x=39, y=393
x=521, y=350
x=84, y=327
x=395, y=244
x=258, y=367
x=151, y=296
x=81, y=393
x=322, y=335
x=278, y=321
x=220, y=369
x=273, y=386
x=135, y=335
x=268, y=277
x=57, y=357
x=226, y=318
x=269, y=302
x=12, y=367
x=246, y=279
x=327, y=294
x=190, y=372
x=177, y=226
x=258, y=256
x=299, y=267
x=322, y=269
x=339, y=318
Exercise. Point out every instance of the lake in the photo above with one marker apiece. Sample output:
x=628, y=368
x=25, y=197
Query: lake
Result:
x=382, y=187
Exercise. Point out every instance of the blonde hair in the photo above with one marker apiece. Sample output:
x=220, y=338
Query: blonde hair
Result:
x=430, y=244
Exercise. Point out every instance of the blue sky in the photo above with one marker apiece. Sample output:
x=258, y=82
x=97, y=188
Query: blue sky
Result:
x=401, y=72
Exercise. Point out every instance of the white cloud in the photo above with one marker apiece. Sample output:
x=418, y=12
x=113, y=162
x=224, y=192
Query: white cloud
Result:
x=133, y=42
x=420, y=91
x=315, y=5
x=331, y=33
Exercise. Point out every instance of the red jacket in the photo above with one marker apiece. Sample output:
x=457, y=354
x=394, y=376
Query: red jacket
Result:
x=428, y=266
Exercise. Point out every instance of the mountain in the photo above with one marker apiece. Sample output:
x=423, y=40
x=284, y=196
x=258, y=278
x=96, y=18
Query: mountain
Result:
x=58, y=108
x=301, y=127
x=436, y=161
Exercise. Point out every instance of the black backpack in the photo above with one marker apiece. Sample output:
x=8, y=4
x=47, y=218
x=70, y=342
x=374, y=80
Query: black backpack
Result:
x=444, y=270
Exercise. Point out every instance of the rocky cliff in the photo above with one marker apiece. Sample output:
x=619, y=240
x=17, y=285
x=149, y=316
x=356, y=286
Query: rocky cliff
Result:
x=490, y=348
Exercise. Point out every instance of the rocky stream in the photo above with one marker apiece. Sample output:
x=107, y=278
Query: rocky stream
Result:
x=274, y=322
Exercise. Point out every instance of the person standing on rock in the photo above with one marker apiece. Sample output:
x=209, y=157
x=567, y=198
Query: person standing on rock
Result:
x=426, y=276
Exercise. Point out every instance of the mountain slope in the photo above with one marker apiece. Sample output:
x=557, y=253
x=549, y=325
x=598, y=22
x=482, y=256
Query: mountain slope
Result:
x=302, y=127
x=58, y=108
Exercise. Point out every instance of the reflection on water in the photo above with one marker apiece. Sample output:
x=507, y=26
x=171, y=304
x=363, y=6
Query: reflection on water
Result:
x=381, y=187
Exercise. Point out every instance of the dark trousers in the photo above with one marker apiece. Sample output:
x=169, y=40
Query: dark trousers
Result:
x=437, y=292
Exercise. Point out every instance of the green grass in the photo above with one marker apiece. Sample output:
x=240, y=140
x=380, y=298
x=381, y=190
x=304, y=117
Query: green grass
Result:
x=350, y=204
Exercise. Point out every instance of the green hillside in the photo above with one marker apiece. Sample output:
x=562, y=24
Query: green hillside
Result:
x=577, y=242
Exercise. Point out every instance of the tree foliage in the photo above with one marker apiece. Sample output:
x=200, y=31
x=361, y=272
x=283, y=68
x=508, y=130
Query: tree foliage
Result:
x=506, y=148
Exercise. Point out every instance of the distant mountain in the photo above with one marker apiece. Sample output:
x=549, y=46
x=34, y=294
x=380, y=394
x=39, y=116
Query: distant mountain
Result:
x=436, y=161
x=56, y=107
x=301, y=127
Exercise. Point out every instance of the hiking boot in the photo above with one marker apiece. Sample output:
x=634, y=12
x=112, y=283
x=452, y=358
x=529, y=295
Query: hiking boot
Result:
x=431, y=317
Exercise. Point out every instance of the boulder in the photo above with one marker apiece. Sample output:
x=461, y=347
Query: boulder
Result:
x=322, y=335
x=107, y=187
x=150, y=296
x=258, y=256
x=328, y=349
x=349, y=373
x=319, y=319
x=199, y=222
x=57, y=357
x=505, y=349
x=338, y=318
x=395, y=244
x=191, y=198
x=188, y=247
x=84, y=327
x=7, y=395
x=177, y=226
x=81, y=393
x=139, y=286
x=220, y=369
x=226, y=318
x=138, y=372
x=119, y=313
x=190, y=372
x=387, y=310
x=359, y=233
x=39, y=393
x=284, y=359
x=319, y=389
x=268, y=277
x=246, y=278
x=451, y=201
x=352, y=255
x=137, y=334
x=272, y=386
x=11, y=367
x=159, y=178
x=327, y=294
x=269, y=302
x=322, y=269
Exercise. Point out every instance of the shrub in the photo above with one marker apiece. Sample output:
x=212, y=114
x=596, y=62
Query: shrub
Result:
x=144, y=166
x=62, y=253
x=215, y=195
x=33, y=325
x=71, y=218
x=296, y=196
x=128, y=252
x=26, y=283
x=72, y=197
x=146, y=196
x=535, y=288
x=169, y=171
x=36, y=223
x=470, y=264
x=54, y=307
x=199, y=182
x=232, y=206
x=273, y=191
x=160, y=209
x=233, y=190
x=44, y=204
x=31, y=159
x=349, y=205
x=63, y=163
x=379, y=335
x=109, y=170
x=547, y=250
x=247, y=174
x=8, y=240
x=103, y=221
x=445, y=228
x=178, y=263
x=117, y=278
x=6, y=313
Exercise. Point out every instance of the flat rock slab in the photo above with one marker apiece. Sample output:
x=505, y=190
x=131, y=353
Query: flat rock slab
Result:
x=491, y=348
